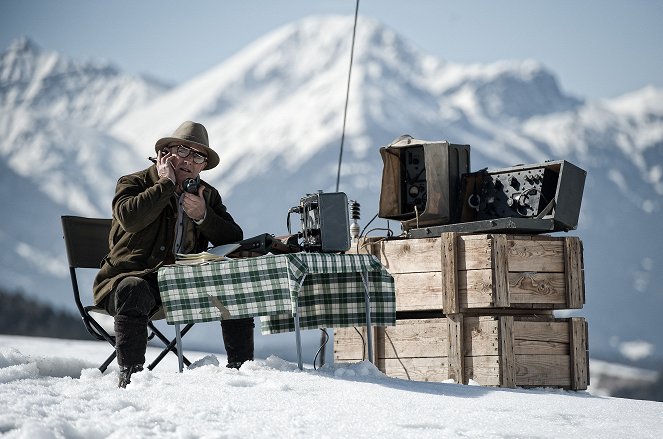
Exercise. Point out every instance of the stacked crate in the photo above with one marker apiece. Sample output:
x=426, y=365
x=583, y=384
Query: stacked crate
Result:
x=480, y=307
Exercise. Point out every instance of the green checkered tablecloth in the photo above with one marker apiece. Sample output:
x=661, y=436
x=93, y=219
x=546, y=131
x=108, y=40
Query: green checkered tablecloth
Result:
x=327, y=289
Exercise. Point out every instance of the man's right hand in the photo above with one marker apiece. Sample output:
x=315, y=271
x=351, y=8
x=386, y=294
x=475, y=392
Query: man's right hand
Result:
x=165, y=168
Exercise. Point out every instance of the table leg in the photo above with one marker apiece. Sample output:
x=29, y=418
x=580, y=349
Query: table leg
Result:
x=367, y=305
x=298, y=339
x=178, y=337
x=295, y=315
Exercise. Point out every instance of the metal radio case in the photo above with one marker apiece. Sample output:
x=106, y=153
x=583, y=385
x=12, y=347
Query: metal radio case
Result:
x=542, y=197
x=325, y=222
x=421, y=180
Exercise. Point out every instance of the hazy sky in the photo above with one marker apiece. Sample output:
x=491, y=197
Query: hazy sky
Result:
x=597, y=48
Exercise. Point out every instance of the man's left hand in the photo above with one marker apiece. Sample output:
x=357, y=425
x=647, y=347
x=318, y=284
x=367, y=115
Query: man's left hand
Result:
x=194, y=204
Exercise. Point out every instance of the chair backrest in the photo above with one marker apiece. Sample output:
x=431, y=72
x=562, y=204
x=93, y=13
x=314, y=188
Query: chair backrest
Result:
x=86, y=240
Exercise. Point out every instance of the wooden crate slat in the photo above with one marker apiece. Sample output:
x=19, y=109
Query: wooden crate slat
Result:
x=348, y=344
x=536, y=255
x=474, y=252
x=416, y=338
x=500, y=266
x=409, y=255
x=455, y=347
x=578, y=353
x=484, y=369
x=448, y=258
x=480, y=336
x=543, y=370
x=537, y=288
x=475, y=288
x=506, y=352
x=417, y=369
x=418, y=291
x=541, y=338
x=575, y=279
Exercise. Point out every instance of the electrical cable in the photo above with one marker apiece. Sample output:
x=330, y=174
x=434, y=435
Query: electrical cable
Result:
x=369, y=223
x=347, y=97
x=363, y=344
x=322, y=345
x=390, y=233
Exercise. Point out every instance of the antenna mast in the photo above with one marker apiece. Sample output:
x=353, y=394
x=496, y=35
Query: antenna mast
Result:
x=347, y=96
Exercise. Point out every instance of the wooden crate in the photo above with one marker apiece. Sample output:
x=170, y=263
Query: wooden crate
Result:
x=456, y=273
x=504, y=351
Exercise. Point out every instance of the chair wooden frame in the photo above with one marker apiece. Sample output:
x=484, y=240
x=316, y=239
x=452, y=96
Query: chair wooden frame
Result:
x=86, y=242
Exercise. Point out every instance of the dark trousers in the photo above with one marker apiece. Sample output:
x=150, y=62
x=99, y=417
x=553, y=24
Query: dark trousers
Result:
x=135, y=299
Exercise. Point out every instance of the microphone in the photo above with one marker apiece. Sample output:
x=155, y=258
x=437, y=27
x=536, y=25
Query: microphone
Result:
x=190, y=185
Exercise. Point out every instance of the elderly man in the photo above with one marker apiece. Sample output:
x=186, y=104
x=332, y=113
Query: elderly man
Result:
x=158, y=212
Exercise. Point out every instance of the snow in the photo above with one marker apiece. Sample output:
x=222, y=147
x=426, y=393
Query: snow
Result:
x=647, y=100
x=622, y=372
x=51, y=389
x=636, y=350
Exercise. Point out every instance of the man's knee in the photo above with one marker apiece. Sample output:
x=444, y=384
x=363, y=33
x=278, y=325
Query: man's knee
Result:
x=133, y=297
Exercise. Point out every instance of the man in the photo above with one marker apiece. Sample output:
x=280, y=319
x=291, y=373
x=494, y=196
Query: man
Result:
x=154, y=218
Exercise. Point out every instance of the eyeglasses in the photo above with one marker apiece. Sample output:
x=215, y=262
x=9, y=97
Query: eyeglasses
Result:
x=185, y=151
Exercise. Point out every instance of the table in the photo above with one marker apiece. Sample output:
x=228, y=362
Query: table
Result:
x=289, y=292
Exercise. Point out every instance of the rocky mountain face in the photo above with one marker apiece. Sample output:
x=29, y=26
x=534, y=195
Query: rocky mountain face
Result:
x=274, y=113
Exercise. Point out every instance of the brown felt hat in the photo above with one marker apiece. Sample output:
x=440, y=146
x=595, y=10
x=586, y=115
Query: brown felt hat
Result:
x=194, y=135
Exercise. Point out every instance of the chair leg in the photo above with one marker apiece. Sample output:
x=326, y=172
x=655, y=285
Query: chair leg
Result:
x=170, y=345
x=158, y=333
x=109, y=338
x=108, y=361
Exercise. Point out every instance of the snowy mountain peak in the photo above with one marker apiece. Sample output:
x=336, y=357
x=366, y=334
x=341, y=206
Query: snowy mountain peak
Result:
x=24, y=60
x=52, y=85
x=645, y=101
x=24, y=44
x=17, y=63
x=523, y=93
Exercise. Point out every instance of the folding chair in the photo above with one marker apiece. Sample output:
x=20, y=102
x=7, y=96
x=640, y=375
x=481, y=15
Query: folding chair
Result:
x=86, y=240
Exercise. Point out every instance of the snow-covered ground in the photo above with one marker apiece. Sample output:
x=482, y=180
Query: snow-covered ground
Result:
x=51, y=388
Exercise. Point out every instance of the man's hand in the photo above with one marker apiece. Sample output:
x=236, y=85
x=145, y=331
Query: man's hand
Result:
x=194, y=204
x=165, y=168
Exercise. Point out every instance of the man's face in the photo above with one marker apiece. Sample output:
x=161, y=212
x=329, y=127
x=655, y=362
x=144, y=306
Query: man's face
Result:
x=185, y=161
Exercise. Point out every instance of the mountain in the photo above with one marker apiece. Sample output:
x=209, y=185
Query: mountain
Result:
x=274, y=112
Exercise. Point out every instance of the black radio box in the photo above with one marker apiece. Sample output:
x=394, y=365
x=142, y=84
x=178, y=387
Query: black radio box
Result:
x=325, y=222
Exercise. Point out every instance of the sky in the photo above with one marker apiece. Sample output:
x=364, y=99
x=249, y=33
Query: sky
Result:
x=598, y=48
x=51, y=389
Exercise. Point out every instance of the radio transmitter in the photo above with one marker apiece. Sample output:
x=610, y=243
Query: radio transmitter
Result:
x=325, y=222
x=421, y=180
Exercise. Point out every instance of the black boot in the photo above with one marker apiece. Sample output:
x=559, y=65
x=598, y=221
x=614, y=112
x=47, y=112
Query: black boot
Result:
x=238, y=341
x=125, y=374
x=130, y=345
x=130, y=339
